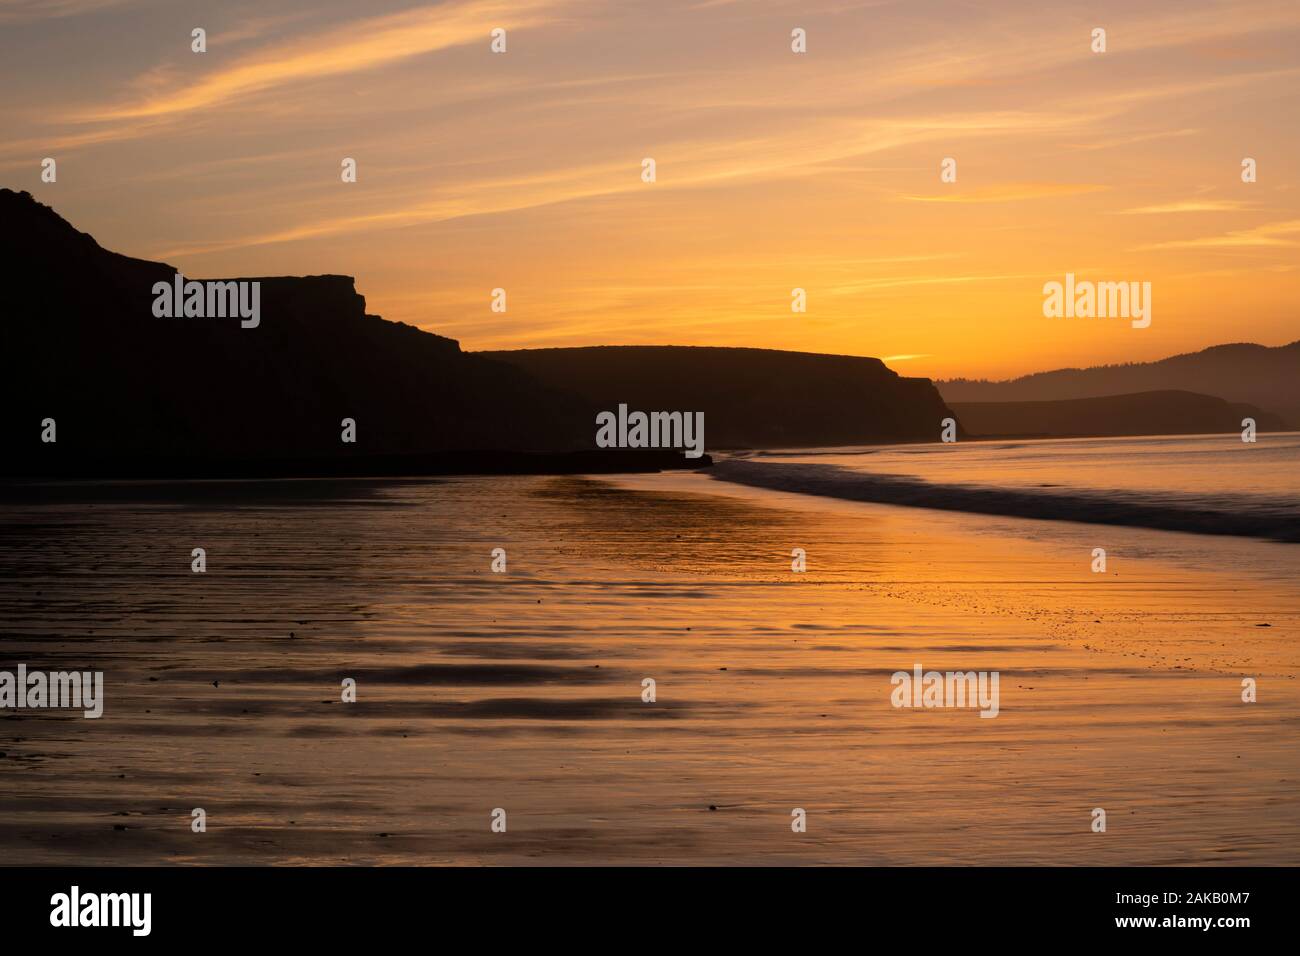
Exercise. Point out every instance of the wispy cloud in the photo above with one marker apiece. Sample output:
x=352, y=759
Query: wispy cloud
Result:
x=1271, y=234
x=894, y=282
x=30, y=11
x=1009, y=192
x=1115, y=142
x=1188, y=205
x=352, y=48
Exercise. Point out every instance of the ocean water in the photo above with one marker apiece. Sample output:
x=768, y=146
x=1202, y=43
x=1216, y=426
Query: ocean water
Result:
x=523, y=690
x=1206, y=483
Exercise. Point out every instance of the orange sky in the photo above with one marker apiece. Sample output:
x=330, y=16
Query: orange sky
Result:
x=775, y=170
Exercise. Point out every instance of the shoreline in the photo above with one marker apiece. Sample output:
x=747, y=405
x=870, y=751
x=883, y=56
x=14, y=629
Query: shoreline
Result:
x=1077, y=506
x=362, y=466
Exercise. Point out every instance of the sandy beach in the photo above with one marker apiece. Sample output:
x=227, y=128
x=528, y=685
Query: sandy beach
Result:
x=523, y=690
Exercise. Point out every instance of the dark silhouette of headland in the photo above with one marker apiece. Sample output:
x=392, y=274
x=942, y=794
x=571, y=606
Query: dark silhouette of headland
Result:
x=135, y=390
x=751, y=398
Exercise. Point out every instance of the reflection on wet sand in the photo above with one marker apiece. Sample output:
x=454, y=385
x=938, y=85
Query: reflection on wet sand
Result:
x=522, y=690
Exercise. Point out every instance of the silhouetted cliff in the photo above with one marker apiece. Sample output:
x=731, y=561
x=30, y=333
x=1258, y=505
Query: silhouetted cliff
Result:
x=132, y=392
x=82, y=346
x=751, y=398
x=1146, y=413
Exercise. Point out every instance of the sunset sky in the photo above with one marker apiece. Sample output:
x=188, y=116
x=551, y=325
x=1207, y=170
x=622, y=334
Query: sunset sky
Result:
x=774, y=170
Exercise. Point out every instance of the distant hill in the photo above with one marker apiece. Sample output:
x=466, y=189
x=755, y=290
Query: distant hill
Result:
x=1267, y=377
x=751, y=398
x=1145, y=413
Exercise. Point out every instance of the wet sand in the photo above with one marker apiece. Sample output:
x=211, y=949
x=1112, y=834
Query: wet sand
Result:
x=523, y=690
